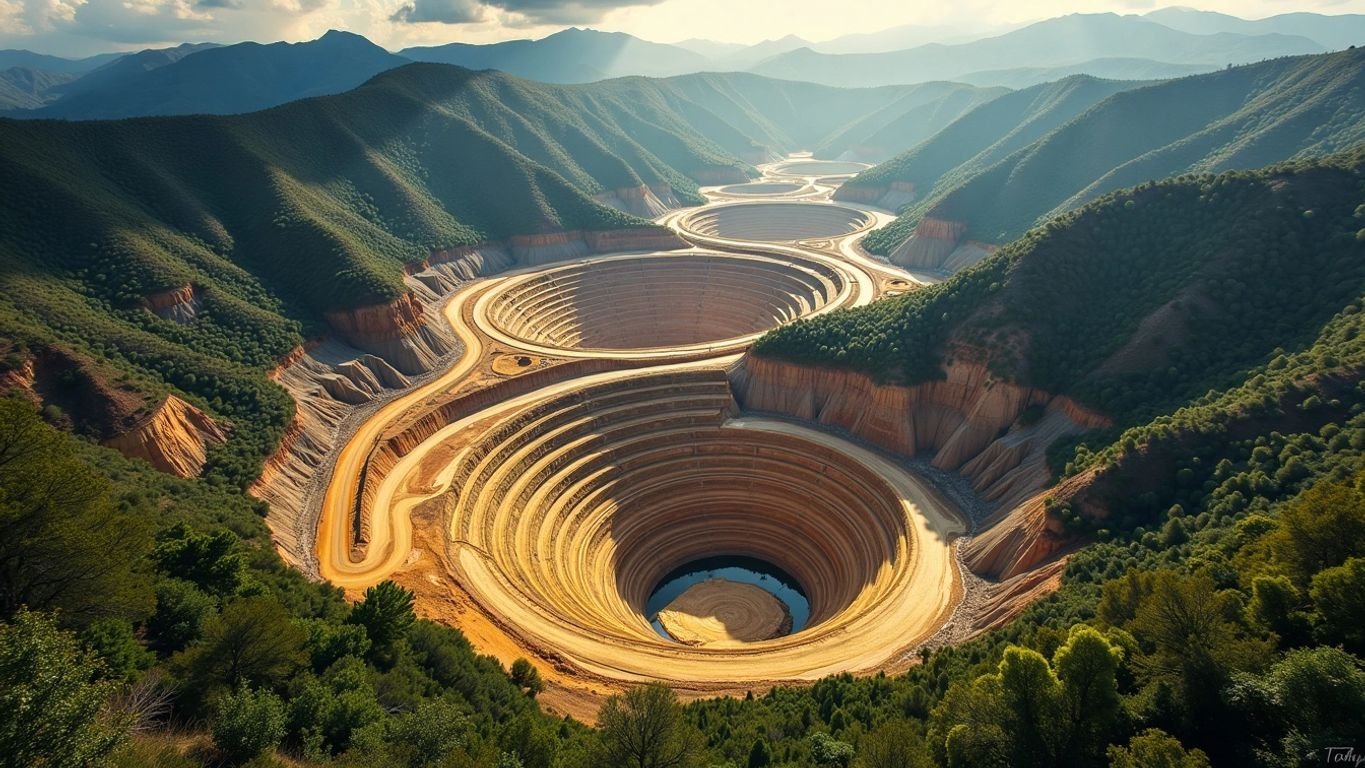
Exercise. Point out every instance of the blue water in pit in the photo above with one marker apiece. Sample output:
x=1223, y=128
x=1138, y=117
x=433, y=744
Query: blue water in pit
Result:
x=746, y=570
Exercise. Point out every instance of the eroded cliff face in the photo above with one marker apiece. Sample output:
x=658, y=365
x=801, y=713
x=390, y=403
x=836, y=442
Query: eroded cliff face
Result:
x=179, y=305
x=639, y=201
x=930, y=246
x=174, y=438
x=968, y=422
x=398, y=331
x=894, y=197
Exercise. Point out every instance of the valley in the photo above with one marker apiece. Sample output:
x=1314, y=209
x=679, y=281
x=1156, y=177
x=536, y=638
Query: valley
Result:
x=913, y=398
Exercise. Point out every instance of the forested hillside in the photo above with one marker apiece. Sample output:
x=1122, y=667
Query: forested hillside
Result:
x=1217, y=319
x=976, y=141
x=1244, y=117
x=274, y=218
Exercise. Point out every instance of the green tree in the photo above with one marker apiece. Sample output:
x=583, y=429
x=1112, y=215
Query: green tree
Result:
x=1032, y=697
x=526, y=677
x=645, y=728
x=1320, y=529
x=64, y=545
x=760, y=754
x=253, y=641
x=1155, y=748
x=895, y=744
x=1275, y=606
x=114, y=642
x=54, y=704
x=181, y=610
x=428, y=735
x=385, y=613
x=1192, y=640
x=1087, y=666
x=827, y=750
x=212, y=561
x=1336, y=595
x=247, y=724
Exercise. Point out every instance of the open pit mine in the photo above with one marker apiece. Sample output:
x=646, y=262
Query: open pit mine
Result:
x=565, y=450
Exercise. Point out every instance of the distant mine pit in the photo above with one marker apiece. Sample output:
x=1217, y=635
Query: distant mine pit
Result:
x=776, y=222
x=820, y=168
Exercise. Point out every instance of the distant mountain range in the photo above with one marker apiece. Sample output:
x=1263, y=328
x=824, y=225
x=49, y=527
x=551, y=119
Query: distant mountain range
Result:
x=1054, y=43
x=1332, y=32
x=1025, y=158
x=204, y=78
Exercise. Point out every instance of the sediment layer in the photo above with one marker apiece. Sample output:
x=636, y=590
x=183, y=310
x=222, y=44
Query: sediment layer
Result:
x=174, y=438
x=968, y=423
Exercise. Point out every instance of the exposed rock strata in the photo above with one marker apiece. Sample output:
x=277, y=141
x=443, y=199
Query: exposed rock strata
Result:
x=931, y=245
x=893, y=197
x=397, y=331
x=174, y=438
x=967, y=423
x=639, y=201
x=179, y=305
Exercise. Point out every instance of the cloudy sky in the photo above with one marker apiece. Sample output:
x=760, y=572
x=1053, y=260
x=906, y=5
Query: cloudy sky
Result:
x=83, y=27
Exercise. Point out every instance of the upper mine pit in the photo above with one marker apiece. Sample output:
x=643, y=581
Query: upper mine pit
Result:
x=659, y=301
x=776, y=222
x=820, y=168
x=762, y=189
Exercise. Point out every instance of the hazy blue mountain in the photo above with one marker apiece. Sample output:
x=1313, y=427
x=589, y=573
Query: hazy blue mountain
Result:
x=1109, y=69
x=921, y=112
x=571, y=56
x=759, y=118
x=978, y=140
x=1332, y=32
x=710, y=49
x=232, y=79
x=25, y=88
x=910, y=36
x=132, y=65
x=17, y=57
x=1056, y=42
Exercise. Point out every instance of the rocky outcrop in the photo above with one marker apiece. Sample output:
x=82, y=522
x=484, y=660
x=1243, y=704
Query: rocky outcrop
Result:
x=639, y=239
x=174, y=438
x=397, y=331
x=448, y=268
x=931, y=245
x=894, y=197
x=1031, y=536
x=993, y=432
x=638, y=201
x=180, y=304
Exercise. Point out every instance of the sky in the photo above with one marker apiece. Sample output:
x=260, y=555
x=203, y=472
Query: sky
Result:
x=76, y=28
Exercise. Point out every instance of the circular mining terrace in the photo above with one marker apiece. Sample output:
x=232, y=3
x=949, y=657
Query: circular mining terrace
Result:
x=660, y=301
x=776, y=222
x=553, y=511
